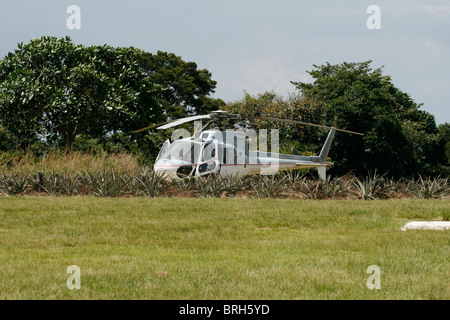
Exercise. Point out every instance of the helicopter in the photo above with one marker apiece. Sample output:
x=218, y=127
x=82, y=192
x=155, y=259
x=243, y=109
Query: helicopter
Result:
x=228, y=152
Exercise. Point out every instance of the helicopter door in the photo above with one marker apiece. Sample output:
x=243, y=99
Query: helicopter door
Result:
x=209, y=160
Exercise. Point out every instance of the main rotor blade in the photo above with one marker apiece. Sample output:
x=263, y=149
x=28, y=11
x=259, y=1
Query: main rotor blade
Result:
x=150, y=127
x=177, y=122
x=301, y=122
x=171, y=123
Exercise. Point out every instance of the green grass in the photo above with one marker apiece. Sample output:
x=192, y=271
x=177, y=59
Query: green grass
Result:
x=174, y=248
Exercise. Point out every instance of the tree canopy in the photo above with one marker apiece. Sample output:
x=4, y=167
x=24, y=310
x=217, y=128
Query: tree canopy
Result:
x=399, y=137
x=52, y=87
x=53, y=90
x=186, y=88
x=268, y=104
x=444, y=145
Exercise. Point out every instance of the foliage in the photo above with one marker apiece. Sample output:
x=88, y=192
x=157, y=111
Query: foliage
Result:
x=399, y=137
x=75, y=162
x=119, y=175
x=370, y=187
x=268, y=186
x=214, y=185
x=152, y=183
x=143, y=147
x=103, y=184
x=55, y=88
x=295, y=107
x=13, y=184
x=57, y=93
x=208, y=186
x=186, y=91
x=186, y=88
x=429, y=188
x=443, y=151
x=51, y=184
x=9, y=141
x=331, y=188
x=185, y=183
x=72, y=183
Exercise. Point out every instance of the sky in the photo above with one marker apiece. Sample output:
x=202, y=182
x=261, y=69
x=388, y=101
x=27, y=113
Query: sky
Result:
x=261, y=45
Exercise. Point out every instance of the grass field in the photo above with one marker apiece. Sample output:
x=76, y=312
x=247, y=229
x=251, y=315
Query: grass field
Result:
x=175, y=248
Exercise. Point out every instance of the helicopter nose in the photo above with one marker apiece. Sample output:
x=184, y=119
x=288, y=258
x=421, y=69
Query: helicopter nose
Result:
x=174, y=169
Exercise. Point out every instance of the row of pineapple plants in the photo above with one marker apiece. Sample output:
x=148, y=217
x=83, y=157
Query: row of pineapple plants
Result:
x=145, y=182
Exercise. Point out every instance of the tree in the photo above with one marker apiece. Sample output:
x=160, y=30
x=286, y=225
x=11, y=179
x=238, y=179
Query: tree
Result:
x=399, y=137
x=444, y=147
x=56, y=88
x=186, y=88
x=294, y=107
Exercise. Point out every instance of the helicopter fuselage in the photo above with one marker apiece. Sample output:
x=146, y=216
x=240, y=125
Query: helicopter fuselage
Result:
x=226, y=154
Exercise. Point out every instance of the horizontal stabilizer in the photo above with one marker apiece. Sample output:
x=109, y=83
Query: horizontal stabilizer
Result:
x=313, y=164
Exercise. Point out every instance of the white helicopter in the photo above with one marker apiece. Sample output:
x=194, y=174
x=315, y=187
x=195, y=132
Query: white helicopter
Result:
x=230, y=152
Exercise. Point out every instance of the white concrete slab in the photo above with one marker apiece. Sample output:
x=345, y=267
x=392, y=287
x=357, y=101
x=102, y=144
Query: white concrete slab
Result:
x=427, y=225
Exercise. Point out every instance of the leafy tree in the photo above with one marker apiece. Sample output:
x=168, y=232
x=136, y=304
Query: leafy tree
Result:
x=10, y=142
x=186, y=91
x=56, y=88
x=399, y=137
x=186, y=88
x=295, y=107
x=444, y=146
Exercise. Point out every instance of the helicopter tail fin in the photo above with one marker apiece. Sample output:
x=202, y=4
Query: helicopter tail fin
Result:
x=327, y=145
x=324, y=154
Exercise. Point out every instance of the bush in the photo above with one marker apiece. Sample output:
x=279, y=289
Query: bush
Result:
x=116, y=175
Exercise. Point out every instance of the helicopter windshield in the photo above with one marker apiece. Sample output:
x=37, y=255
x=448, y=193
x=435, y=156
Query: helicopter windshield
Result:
x=182, y=150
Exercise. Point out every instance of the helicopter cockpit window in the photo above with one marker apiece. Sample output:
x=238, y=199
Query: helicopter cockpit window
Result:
x=163, y=150
x=182, y=150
